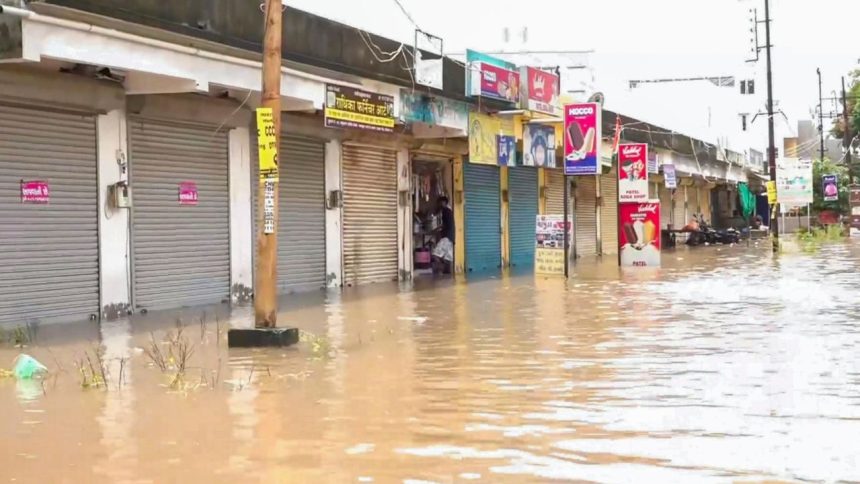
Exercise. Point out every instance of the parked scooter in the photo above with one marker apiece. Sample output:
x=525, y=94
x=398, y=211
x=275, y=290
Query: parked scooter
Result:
x=707, y=235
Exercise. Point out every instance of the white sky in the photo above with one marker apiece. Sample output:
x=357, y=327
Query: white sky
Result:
x=641, y=39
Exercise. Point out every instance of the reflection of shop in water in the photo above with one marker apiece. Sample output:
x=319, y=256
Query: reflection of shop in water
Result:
x=432, y=215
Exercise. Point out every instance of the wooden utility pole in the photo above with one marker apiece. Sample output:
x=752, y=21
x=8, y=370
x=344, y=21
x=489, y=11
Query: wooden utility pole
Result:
x=771, y=151
x=265, y=287
x=847, y=134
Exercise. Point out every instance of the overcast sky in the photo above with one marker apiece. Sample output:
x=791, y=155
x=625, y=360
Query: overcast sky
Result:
x=637, y=39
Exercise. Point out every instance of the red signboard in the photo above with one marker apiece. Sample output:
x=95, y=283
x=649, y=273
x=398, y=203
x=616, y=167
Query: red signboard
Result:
x=632, y=172
x=35, y=192
x=582, y=139
x=541, y=90
x=496, y=82
x=188, y=193
x=639, y=234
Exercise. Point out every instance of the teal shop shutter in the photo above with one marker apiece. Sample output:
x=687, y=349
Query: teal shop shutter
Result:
x=523, y=189
x=483, y=218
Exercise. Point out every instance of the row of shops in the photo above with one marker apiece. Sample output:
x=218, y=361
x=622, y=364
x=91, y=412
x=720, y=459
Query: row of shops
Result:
x=146, y=194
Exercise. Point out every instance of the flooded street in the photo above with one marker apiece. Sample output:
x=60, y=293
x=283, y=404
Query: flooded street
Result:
x=727, y=365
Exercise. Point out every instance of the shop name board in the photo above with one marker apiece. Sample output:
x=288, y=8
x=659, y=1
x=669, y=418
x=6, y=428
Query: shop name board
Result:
x=632, y=172
x=35, y=191
x=188, y=193
x=494, y=82
x=348, y=107
x=541, y=90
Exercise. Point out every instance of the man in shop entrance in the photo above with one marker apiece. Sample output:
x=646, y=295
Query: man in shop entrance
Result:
x=443, y=253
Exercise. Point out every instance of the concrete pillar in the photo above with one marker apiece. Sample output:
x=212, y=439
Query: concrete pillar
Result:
x=404, y=215
x=333, y=216
x=505, y=216
x=542, y=191
x=114, y=233
x=241, y=215
x=459, y=219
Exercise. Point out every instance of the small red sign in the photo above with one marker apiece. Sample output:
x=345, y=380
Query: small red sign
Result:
x=188, y=193
x=35, y=192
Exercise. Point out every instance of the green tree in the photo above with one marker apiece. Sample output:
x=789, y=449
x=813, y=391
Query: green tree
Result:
x=853, y=90
x=829, y=167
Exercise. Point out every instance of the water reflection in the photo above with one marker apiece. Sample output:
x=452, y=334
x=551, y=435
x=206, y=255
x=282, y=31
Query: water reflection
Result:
x=721, y=366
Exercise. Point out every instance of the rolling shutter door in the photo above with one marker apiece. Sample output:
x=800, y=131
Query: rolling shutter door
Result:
x=554, y=192
x=665, y=207
x=609, y=213
x=369, y=215
x=301, y=215
x=483, y=218
x=585, y=223
x=181, y=252
x=523, y=186
x=49, y=261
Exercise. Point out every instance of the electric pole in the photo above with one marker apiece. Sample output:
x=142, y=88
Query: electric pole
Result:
x=846, y=133
x=265, y=286
x=820, y=115
x=771, y=152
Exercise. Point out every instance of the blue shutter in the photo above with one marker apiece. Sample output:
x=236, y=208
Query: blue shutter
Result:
x=523, y=189
x=483, y=218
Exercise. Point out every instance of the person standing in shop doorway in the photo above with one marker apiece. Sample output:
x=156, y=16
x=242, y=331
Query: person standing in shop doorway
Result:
x=443, y=253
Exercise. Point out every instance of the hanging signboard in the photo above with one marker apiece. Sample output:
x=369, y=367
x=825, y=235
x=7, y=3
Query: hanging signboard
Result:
x=793, y=182
x=506, y=147
x=35, y=191
x=539, y=145
x=540, y=91
x=830, y=188
x=188, y=193
x=669, y=178
x=639, y=234
x=267, y=149
x=416, y=107
x=582, y=139
x=549, y=244
x=494, y=82
x=348, y=107
x=653, y=163
x=632, y=172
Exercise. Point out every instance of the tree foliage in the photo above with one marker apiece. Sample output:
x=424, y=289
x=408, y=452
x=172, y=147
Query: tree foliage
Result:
x=853, y=91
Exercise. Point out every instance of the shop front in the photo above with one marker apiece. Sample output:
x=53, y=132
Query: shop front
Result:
x=432, y=215
x=482, y=218
x=523, y=211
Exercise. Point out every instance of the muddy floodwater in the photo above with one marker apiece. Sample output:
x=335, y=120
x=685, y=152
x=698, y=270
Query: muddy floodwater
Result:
x=727, y=365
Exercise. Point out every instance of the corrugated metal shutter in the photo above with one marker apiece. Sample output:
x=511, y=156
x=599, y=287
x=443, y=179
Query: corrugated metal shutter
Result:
x=301, y=212
x=369, y=215
x=523, y=191
x=665, y=207
x=554, y=192
x=609, y=213
x=483, y=218
x=49, y=262
x=680, y=212
x=181, y=252
x=585, y=223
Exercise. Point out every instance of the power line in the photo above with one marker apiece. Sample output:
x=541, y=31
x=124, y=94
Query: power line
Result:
x=408, y=15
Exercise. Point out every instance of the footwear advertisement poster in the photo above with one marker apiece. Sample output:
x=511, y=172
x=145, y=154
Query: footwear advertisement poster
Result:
x=539, y=145
x=549, y=244
x=830, y=188
x=582, y=139
x=633, y=172
x=540, y=91
x=639, y=234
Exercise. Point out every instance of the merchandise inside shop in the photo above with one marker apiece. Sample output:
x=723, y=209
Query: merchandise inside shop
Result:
x=432, y=217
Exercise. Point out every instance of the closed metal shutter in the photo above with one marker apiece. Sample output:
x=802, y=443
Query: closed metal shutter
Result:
x=181, y=252
x=369, y=215
x=554, y=192
x=680, y=219
x=483, y=218
x=585, y=223
x=665, y=207
x=523, y=192
x=49, y=261
x=609, y=213
x=301, y=212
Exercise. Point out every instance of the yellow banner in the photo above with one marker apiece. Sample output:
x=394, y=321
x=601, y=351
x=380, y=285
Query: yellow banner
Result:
x=482, y=139
x=771, y=192
x=267, y=145
x=549, y=261
x=332, y=113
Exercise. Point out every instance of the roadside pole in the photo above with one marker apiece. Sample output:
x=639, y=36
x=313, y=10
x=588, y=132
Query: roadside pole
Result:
x=847, y=134
x=771, y=151
x=265, y=288
x=566, y=227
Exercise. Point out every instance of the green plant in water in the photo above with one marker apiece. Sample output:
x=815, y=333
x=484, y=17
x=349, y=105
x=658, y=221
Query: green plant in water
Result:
x=320, y=345
x=811, y=240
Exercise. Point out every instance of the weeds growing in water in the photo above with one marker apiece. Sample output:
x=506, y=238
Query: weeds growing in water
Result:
x=812, y=240
x=92, y=369
x=19, y=336
x=320, y=345
x=176, y=357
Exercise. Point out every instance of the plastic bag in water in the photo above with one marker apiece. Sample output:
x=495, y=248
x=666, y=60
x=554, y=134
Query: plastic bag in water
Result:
x=26, y=367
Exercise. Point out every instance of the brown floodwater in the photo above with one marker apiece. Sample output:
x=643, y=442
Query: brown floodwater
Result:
x=727, y=365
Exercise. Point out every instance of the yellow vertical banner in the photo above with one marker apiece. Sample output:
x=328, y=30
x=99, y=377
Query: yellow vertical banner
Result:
x=771, y=192
x=267, y=145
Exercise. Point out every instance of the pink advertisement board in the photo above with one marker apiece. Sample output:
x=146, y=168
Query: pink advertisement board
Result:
x=632, y=172
x=35, y=191
x=497, y=82
x=639, y=234
x=582, y=139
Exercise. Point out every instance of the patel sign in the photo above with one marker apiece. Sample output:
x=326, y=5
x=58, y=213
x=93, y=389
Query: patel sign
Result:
x=639, y=234
x=582, y=139
x=35, y=192
x=632, y=172
x=348, y=107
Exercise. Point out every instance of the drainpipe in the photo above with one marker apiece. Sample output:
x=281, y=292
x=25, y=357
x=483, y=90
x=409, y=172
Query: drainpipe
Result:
x=15, y=11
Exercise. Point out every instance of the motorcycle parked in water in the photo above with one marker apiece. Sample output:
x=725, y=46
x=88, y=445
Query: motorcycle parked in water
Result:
x=707, y=235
